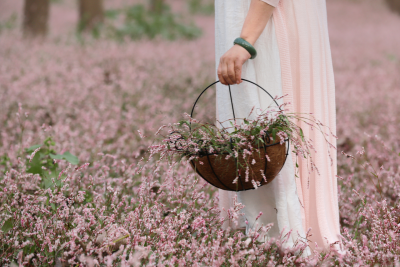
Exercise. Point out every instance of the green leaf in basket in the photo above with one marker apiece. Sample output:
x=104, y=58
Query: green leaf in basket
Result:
x=182, y=122
x=302, y=135
x=274, y=131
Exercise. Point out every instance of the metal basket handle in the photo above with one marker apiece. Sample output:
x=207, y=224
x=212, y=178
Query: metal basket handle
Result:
x=230, y=95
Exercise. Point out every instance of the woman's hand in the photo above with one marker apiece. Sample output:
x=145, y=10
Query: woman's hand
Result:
x=230, y=65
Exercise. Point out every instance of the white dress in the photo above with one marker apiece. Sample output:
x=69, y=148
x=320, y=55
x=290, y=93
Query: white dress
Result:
x=278, y=200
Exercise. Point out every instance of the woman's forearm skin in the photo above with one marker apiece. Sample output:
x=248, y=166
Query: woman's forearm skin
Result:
x=256, y=20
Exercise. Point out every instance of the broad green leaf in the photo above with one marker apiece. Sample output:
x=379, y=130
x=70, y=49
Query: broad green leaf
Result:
x=66, y=156
x=7, y=226
x=33, y=148
x=35, y=165
x=71, y=158
x=58, y=156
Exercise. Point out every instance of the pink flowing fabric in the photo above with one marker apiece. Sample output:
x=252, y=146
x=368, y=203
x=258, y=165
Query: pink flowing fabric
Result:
x=308, y=81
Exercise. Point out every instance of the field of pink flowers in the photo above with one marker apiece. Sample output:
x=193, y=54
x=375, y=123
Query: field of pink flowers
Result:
x=103, y=101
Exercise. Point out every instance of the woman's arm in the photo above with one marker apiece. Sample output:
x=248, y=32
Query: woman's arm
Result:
x=230, y=64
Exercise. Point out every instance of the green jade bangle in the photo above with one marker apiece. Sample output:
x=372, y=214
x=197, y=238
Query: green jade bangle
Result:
x=246, y=45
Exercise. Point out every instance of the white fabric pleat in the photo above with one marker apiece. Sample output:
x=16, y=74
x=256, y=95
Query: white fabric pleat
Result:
x=278, y=201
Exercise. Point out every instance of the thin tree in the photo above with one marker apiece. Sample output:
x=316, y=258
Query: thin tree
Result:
x=36, y=16
x=394, y=5
x=91, y=13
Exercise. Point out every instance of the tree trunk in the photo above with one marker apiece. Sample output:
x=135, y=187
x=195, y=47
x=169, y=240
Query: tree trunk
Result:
x=394, y=5
x=156, y=6
x=36, y=16
x=91, y=13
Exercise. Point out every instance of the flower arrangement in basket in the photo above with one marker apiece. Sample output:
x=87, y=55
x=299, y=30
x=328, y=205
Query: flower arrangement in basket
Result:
x=244, y=156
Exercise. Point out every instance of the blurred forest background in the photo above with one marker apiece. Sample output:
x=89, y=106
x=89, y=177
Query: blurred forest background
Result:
x=134, y=19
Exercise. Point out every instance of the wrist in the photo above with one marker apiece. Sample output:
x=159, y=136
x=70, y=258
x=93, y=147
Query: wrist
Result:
x=249, y=39
x=246, y=45
x=241, y=48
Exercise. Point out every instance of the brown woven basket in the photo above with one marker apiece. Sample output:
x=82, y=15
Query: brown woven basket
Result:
x=221, y=172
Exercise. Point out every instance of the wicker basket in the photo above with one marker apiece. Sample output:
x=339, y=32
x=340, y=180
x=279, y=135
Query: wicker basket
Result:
x=222, y=173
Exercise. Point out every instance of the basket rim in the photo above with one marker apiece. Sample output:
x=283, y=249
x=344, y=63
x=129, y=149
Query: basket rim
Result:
x=226, y=153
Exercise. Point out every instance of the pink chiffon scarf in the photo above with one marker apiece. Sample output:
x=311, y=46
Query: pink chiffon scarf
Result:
x=308, y=83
